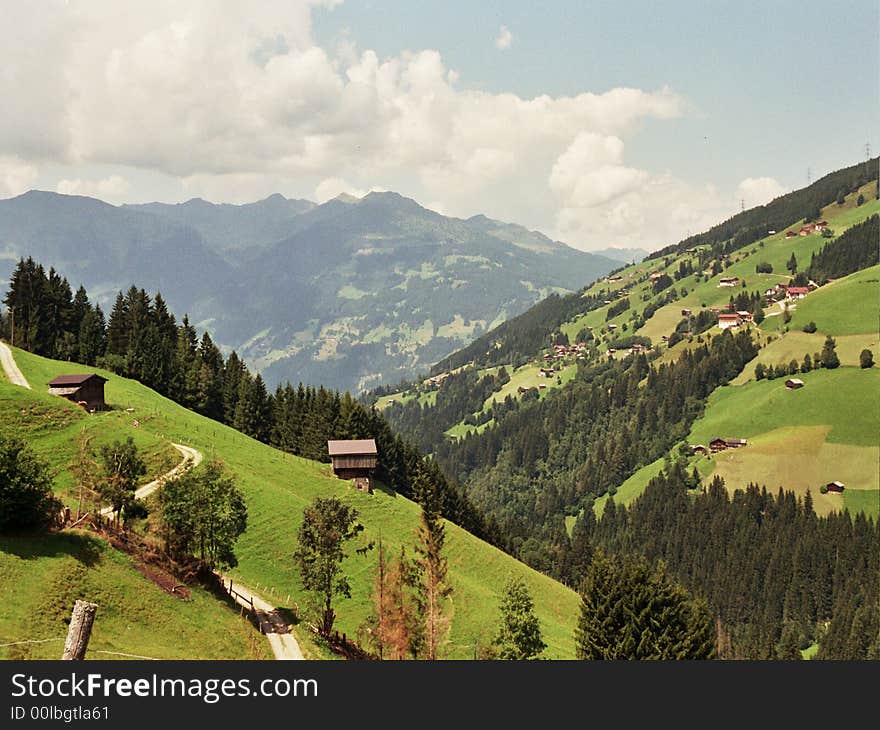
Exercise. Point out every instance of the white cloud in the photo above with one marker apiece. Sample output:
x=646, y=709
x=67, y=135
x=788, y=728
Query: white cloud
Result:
x=332, y=187
x=755, y=191
x=111, y=188
x=16, y=175
x=233, y=101
x=504, y=39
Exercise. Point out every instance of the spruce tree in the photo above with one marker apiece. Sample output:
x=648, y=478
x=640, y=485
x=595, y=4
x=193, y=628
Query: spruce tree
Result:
x=629, y=611
x=829, y=354
x=519, y=631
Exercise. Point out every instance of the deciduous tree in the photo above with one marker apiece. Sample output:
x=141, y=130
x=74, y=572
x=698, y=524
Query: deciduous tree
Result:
x=327, y=525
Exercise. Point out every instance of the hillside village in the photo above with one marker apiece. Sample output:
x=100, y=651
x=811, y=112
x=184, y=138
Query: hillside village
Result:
x=688, y=298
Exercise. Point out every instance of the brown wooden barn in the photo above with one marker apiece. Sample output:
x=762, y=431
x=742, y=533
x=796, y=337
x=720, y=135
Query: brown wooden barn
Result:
x=354, y=460
x=86, y=389
x=835, y=487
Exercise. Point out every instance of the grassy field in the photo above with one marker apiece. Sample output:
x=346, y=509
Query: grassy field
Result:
x=41, y=577
x=836, y=417
x=53, y=425
x=799, y=439
x=631, y=488
x=848, y=306
x=279, y=486
x=795, y=344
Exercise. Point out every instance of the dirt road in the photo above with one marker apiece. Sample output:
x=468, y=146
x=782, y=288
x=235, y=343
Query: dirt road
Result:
x=276, y=629
x=191, y=458
x=11, y=369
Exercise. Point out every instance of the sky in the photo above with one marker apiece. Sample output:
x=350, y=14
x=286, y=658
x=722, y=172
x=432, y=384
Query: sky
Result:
x=598, y=123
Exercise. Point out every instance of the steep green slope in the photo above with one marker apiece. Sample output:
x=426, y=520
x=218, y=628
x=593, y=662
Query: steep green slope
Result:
x=278, y=486
x=42, y=576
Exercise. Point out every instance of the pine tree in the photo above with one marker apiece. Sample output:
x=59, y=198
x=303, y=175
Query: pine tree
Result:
x=829, y=354
x=519, y=631
x=117, y=327
x=629, y=611
x=792, y=264
x=92, y=340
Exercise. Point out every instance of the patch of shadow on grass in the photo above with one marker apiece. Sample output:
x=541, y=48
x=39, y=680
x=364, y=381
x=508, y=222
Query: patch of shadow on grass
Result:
x=33, y=545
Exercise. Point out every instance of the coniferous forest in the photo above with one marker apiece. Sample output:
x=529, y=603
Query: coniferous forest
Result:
x=776, y=576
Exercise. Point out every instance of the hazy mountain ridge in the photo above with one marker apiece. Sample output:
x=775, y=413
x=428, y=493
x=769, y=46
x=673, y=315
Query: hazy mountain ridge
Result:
x=351, y=293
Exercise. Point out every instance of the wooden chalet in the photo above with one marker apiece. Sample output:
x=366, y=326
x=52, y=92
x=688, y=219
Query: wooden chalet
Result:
x=86, y=390
x=547, y=372
x=794, y=383
x=699, y=449
x=354, y=460
x=721, y=444
x=729, y=281
x=835, y=487
x=728, y=320
x=796, y=292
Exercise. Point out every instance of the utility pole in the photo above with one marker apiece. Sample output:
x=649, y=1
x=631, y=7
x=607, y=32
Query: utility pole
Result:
x=742, y=205
x=809, y=176
x=80, y=630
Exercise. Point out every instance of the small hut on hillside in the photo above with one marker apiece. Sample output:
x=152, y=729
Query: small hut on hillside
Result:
x=86, y=390
x=355, y=460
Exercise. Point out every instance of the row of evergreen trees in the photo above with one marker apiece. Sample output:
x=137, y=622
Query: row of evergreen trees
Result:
x=142, y=340
x=855, y=249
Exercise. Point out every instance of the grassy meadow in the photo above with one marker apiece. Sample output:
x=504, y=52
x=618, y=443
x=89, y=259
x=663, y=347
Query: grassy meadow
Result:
x=278, y=486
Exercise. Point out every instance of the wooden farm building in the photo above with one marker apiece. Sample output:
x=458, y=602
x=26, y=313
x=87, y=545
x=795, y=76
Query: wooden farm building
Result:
x=699, y=449
x=835, y=487
x=86, y=389
x=354, y=460
x=720, y=444
x=794, y=383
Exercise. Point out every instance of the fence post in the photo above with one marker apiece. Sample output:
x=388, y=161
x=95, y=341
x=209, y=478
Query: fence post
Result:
x=80, y=630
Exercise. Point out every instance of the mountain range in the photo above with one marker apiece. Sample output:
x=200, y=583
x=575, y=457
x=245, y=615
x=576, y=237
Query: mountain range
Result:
x=352, y=293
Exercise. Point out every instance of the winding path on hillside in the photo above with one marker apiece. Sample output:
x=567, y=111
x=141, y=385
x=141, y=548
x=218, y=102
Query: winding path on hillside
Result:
x=12, y=372
x=277, y=631
x=191, y=459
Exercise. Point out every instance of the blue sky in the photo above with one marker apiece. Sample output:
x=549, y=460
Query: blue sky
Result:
x=598, y=123
x=777, y=86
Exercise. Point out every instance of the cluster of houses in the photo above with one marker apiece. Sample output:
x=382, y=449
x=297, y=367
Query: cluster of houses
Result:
x=808, y=229
x=783, y=292
x=634, y=350
x=560, y=352
x=437, y=380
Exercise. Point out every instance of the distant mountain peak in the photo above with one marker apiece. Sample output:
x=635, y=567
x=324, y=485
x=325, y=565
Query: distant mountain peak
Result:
x=347, y=198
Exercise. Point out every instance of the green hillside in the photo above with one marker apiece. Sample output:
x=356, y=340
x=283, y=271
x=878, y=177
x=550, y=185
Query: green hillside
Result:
x=42, y=576
x=848, y=308
x=800, y=439
x=278, y=486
